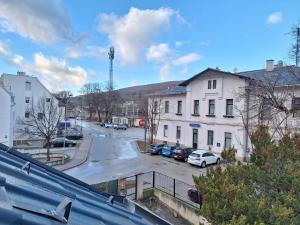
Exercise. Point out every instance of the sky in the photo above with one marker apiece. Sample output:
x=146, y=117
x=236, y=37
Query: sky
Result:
x=65, y=43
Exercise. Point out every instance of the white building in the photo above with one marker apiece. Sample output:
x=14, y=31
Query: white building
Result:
x=204, y=112
x=26, y=90
x=6, y=130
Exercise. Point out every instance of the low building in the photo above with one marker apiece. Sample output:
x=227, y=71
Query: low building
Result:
x=206, y=111
x=26, y=91
x=6, y=114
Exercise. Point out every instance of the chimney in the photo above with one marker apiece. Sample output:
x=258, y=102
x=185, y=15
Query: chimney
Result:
x=21, y=73
x=280, y=63
x=269, y=65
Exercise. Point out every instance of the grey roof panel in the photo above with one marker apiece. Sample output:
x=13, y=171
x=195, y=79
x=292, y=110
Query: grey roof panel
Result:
x=45, y=195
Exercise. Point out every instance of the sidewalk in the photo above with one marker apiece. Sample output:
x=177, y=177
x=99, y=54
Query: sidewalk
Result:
x=80, y=156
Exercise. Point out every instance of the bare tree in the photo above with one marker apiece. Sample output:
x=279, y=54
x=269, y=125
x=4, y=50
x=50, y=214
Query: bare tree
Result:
x=64, y=98
x=43, y=120
x=91, y=92
x=269, y=102
x=153, y=116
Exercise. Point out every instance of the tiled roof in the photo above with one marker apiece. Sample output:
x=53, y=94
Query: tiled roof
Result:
x=177, y=90
x=32, y=193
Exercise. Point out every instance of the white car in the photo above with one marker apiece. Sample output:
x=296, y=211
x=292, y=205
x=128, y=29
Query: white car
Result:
x=203, y=158
x=109, y=125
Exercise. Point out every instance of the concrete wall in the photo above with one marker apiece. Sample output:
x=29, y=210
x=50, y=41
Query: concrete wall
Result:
x=184, y=210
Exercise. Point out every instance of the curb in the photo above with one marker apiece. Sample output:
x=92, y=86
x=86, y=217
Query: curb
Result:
x=90, y=141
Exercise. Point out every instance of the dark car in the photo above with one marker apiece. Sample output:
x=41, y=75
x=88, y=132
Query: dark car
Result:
x=60, y=142
x=155, y=149
x=73, y=134
x=182, y=153
x=168, y=151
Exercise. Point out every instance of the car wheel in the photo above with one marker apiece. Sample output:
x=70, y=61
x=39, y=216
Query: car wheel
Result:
x=185, y=159
x=218, y=161
x=203, y=164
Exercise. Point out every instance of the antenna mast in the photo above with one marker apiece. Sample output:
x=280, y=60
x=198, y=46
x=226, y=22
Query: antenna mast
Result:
x=297, y=46
x=111, y=55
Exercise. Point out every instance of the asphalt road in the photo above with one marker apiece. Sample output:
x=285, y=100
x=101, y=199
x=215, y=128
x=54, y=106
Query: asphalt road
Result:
x=114, y=154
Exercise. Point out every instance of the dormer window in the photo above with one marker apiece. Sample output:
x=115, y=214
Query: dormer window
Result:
x=212, y=84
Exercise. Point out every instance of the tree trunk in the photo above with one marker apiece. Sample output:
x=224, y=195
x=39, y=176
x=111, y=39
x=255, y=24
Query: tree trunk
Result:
x=48, y=149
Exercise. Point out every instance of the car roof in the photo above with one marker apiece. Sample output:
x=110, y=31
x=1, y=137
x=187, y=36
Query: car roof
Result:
x=200, y=151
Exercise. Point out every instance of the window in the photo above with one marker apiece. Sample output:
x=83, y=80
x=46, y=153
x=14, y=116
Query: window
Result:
x=40, y=116
x=210, y=137
x=211, y=107
x=27, y=99
x=229, y=107
x=165, y=130
x=27, y=114
x=47, y=99
x=178, y=132
x=196, y=107
x=209, y=84
x=227, y=142
x=27, y=86
x=214, y=84
x=296, y=107
x=155, y=106
x=166, y=106
x=179, y=107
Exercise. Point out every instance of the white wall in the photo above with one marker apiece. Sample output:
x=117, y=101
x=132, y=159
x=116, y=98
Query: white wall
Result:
x=5, y=118
x=16, y=85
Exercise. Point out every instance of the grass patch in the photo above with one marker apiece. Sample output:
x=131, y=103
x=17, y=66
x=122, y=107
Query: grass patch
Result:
x=142, y=146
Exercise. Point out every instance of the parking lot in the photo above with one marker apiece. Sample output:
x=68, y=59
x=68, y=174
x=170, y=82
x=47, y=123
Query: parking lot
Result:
x=114, y=154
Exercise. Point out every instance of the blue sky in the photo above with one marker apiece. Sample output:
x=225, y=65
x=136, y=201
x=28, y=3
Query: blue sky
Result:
x=65, y=43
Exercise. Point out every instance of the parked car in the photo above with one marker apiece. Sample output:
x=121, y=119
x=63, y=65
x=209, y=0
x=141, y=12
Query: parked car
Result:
x=203, y=158
x=109, y=125
x=73, y=134
x=102, y=124
x=182, y=153
x=155, y=149
x=121, y=127
x=60, y=142
x=168, y=151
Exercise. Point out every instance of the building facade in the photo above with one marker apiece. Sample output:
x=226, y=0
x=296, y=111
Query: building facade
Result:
x=209, y=110
x=6, y=112
x=26, y=91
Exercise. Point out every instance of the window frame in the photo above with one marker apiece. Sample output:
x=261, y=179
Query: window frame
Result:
x=209, y=84
x=27, y=85
x=179, y=103
x=166, y=127
x=196, y=112
x=167, y=106
x=226, y=138
x=211, y=103
x=214, y=84
x=27, y=100
x=227, y=107
x=210, y=137
x=178, y=132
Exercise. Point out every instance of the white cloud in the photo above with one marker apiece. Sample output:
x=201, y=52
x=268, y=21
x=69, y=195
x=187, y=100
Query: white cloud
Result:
x=158, y=52
x=186, y=59
x=57, y=74
x=40, y=21
x=54, y=73
x=181, y=61
x=165, y=72
x=275, y=18
x=133, y=32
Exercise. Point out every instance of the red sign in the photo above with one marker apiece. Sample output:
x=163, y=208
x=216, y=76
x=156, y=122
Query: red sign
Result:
x=142, y=122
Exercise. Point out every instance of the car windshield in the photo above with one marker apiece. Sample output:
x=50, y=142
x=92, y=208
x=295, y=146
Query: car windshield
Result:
x=195, y=155
x=178, y=150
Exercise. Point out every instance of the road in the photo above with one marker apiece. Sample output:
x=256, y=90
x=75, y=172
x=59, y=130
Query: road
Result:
x=114, y=154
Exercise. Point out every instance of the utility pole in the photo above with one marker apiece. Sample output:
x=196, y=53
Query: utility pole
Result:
x=111, y=56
